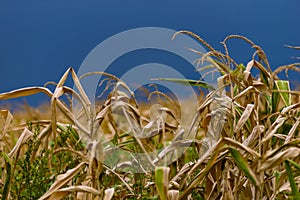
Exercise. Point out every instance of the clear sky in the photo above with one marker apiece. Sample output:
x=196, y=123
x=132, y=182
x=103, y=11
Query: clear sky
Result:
x=40, y=39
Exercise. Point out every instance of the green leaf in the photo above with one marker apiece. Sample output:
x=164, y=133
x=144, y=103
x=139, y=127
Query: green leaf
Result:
x=243, y=165
x=213, y=154
x=296, y=165
x=268, y=103
x=294, y=187
x=6, y=188
x=239, y=70
x=187, y=82
x=285, y=96
x=275, y=101
x=162, y=181
x=264, y=74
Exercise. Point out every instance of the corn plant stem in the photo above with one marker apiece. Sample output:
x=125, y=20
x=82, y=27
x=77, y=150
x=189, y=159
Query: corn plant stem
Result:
x=258, y=190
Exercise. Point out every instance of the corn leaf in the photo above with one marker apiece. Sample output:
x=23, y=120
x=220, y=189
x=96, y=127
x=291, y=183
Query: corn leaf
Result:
x=296, y=165
x=64, y=192
x=187, y=82
x=7, y=184
x=285, y=86
x=162, y=181
x=243, y=165
x=62, y=179
x=293, y=184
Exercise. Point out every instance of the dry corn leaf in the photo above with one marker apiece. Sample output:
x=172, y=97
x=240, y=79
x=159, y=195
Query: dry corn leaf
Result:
x=273, y=129
x=261, y=68
x=62, y=179
x=25, y=136
x=286, y=186
x=289, y=108
x=289, y=153
x=246, y=91
x=236, y=144
x=252, y=138
x=248, y=70
x=262, y=87
x=292, y=131
x=25, y=92
x=63, y=192
x=8, y=119
x=245, y=116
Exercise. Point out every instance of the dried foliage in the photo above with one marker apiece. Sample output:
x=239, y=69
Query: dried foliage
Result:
x=242, y=142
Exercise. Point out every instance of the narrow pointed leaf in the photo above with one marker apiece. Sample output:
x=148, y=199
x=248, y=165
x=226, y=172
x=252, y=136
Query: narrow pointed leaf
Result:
x=6, y=189
x=162, y=181
x=187, y=82
x=296, y=165
x=25, y=136
x=243, y=165
x=62, y=193
x=62, y=179
x=285, y=86
x=245, y=116
x=295, y=191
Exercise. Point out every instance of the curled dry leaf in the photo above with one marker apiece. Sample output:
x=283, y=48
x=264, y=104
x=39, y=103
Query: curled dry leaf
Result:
x=25, y=136
x=289, y=153
x=63, y=192
x=7, y=120
x=62, y=179
x=245, y=116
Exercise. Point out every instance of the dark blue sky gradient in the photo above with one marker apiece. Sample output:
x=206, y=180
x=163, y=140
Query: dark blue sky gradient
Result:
x=40, y=39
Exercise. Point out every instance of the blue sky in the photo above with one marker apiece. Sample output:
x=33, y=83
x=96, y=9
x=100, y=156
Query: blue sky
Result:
x=40, y=39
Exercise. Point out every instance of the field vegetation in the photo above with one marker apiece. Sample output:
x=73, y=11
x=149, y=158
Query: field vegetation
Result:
x=241, y=142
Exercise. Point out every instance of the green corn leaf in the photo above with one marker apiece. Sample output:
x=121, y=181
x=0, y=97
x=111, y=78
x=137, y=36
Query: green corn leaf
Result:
x=296, y=165
x=275, y=100
x=264, y=74
x=293, y=184
x=187, y=82
x=264, y=78
x=243, y=165
x=6, y=188
x=285, y=96
x=268, y=103
x=162, y=181
x=213, y=152
x=239, y=70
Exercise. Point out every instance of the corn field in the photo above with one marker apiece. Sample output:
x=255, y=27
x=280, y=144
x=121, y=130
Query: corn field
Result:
x=247, y=148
